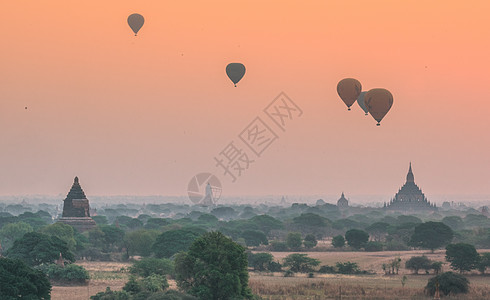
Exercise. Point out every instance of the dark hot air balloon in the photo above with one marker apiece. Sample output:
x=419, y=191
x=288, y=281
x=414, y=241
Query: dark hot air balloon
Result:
x=349, y=90
x=235, y=72
x=136, y=21
x=360, y=101
x=378, y=102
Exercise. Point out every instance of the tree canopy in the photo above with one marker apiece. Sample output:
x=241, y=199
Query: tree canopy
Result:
x=214, y=268
x=299, y=262
x=463, y=257
x=36, y=248
x=19, y=281
x=415, y=263
x=449, y=283
x=356, y=238
x=431, y=235
x=171, y=242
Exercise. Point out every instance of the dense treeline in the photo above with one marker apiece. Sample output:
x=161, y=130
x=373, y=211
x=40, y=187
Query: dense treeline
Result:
x=126, y=230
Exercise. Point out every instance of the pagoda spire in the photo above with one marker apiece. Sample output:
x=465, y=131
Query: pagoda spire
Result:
x=410, y=177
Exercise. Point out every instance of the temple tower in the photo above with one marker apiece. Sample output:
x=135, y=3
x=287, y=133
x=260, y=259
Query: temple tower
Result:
x=76, y=209
x=410, y=197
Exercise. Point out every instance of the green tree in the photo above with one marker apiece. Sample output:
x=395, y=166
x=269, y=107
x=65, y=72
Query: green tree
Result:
x=62, y=231
x=19, y=281
x=214, y=268
x=113, y=236
x=111, y=295
x=310, y=241
x=484, y=262
x=311, y=223
x=455, y=222
x=338, y=241
x=279, y=246
x=294, y=240
x=267, y=223
x=449, y=284
x=170, y=242
x=431, y=235
x=36, y=248
x=131, y=223
x=150, y=265
x=373, y=246
x=155, y=283
x=254, y=237
x=348, y=268
x=378, y=230
x=300, y=262
x=356, y=238
x=463, y=257
x=137, y=242
x=156, y=223
x=415, y=263
x=71, y=273
x=260, y=261
x=13, y=231
x=436, y=266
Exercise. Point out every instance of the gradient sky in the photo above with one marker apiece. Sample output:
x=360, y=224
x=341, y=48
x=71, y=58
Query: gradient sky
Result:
x=141, y=115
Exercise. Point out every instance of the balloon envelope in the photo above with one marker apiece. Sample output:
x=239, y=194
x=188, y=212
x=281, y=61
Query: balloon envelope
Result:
x=378, y=103
x=349, y=90
x=235, y=72
x=361, y=103
x=136, y=21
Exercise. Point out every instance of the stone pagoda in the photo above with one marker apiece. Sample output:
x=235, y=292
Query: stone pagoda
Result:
x=343, y=203
x=76, y=209
x=410, y=197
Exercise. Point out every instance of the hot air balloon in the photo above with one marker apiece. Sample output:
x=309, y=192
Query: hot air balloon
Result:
x=378, y=102
x=136, y=21
x=360, y=101
x=349, y=90
x=235, y=72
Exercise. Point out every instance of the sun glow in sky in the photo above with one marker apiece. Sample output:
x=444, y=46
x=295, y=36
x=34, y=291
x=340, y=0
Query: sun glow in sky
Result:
x=142, y=115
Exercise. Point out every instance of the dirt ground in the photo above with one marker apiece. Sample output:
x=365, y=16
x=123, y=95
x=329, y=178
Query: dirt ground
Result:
x=115, y=275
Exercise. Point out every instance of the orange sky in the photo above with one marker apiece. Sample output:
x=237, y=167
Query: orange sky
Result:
x=141, y=115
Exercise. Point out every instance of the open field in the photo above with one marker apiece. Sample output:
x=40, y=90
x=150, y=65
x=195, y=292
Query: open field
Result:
x=323, y=286
x=372, y=261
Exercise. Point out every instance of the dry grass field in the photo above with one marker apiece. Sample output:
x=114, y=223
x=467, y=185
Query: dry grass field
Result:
x=323, y=286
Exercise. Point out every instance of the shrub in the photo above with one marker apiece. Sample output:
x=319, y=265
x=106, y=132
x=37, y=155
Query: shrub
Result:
x=300, y=262
x=338, y=241
x=449, y=283
x=279, y=246
x=374, y=246
x=111, y=295
x=275, y=266
x=327, y=270
x=415, y=263
x=69, y=274
x=348, y=268
x=289, y=273
x=155, y=283
x=149, y=266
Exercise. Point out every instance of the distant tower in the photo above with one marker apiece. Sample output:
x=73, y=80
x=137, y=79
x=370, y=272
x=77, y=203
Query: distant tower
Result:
x=208, y=199
x=76, y=209
x=342, y=203
x=410, y=197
